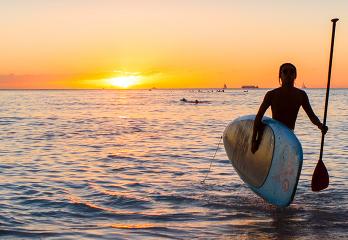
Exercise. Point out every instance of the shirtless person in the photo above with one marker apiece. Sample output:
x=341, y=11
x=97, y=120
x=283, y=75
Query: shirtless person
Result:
x=285, y=103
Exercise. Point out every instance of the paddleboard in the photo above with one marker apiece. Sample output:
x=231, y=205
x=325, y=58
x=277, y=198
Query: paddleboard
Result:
x=274, y=170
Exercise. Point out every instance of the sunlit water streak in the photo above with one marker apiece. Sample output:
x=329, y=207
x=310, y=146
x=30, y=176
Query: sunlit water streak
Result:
x=129, y=164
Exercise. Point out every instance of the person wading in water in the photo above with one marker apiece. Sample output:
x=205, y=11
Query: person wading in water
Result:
x=285, y=103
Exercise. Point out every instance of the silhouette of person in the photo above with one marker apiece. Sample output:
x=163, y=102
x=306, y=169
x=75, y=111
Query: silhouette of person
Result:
x=195, y=101
x=285, y=103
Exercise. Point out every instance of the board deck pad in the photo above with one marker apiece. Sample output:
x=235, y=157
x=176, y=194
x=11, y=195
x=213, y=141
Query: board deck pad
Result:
x=273, y=171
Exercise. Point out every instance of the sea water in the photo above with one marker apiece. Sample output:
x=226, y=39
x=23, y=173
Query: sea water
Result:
x=105, y=164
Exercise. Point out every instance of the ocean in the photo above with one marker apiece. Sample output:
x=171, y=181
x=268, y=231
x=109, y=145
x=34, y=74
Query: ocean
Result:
x=129, y=164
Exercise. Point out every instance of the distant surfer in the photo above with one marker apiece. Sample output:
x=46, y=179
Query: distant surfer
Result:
x=285, y=103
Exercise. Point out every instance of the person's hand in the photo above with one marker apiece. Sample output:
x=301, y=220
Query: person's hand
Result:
x=254, y=146
x=256, y=140
x=323, y=128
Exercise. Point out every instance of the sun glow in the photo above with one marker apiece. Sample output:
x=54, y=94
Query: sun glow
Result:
x=124, y=81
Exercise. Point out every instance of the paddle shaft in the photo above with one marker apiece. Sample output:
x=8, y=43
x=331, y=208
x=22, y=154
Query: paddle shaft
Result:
x=328, y=85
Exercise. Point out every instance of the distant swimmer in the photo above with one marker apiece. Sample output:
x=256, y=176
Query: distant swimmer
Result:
x=195, y=101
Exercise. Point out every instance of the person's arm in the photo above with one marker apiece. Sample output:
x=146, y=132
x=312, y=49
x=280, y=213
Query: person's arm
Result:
x=314, y=119
x=258, y=125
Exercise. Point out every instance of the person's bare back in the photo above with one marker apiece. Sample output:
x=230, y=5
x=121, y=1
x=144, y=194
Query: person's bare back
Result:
x=285, y=103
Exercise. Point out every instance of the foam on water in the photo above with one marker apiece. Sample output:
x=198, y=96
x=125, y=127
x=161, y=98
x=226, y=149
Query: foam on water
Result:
x=129, y=164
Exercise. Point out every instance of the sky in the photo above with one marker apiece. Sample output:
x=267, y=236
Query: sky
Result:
x=169, y=43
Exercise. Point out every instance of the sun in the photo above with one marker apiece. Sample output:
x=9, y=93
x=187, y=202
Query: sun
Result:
x=124, y=81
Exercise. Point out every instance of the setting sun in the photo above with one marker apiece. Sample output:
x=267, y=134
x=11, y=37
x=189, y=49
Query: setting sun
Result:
x=124, y=81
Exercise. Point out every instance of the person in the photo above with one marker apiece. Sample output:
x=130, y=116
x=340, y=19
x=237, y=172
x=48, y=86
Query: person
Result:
x=195, y=101
x=285, y=103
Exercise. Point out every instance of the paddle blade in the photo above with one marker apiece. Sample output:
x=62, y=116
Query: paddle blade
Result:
x=320, y=178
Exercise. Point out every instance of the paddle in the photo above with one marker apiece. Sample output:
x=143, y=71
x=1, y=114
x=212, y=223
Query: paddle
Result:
x=320, y=178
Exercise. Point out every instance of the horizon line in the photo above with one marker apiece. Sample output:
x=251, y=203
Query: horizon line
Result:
x=150, y=89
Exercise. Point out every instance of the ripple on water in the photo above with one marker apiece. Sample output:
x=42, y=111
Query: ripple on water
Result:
x=98, y=164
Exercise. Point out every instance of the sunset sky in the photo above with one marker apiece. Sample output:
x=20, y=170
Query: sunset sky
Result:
x=169, y=44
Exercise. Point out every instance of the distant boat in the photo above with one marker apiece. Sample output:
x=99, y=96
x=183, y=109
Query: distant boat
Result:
x=249, y=87
x=303, y=85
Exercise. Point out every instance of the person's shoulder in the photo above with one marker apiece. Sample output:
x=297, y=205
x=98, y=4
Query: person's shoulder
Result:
x=300, y=91
x=273, y=91
x=269, y=95
x=301, y=94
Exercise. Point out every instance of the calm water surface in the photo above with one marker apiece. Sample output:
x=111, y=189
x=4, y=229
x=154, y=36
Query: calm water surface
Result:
x=129, y=165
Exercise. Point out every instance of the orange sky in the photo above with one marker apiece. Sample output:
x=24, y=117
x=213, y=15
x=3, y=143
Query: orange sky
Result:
x=169, y=44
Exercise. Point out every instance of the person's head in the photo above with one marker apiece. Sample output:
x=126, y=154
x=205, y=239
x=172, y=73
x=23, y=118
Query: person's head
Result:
x=287, y=74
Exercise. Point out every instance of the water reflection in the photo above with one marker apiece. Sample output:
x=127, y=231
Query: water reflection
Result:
x=104, y=164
